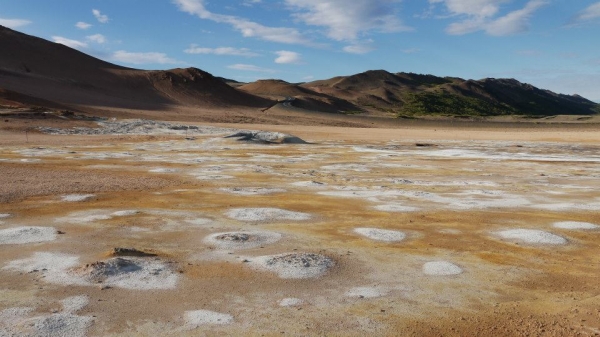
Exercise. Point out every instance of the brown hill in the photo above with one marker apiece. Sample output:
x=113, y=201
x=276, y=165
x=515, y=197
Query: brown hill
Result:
x=412, y=94
x=46, y=70
x=14, y=100
x=303, y=98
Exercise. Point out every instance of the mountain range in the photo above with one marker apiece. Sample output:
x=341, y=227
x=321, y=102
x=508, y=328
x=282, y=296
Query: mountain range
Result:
x=37, y=72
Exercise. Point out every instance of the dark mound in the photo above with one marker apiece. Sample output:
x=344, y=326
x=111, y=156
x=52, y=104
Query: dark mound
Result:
x=129, y=252
x=266, y=137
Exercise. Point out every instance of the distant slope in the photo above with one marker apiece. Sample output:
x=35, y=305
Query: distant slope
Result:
x=304, y=98
x=46, y=70
x=411, y=94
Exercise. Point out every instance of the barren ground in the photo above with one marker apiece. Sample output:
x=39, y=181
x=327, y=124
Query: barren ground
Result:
x=451, y=191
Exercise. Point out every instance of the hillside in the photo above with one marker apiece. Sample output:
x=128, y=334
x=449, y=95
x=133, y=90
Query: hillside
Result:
x=303, y=98
x=408, y=94
x=36, y=72
x=42, y=69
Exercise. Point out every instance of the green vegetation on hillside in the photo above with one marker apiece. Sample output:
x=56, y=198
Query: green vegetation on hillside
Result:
x=445, y=103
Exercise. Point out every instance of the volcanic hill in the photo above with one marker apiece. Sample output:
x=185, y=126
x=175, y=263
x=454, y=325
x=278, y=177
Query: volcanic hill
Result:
x=409, y=94
x=50, y=71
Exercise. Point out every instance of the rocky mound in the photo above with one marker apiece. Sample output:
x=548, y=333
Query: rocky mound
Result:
x=129, y=252
x=129, y=273
x=242, y=240
x=266, y=137
x=295, y=265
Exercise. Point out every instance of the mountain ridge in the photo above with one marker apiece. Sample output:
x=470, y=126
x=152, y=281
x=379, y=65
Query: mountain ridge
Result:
x=51, y=72
x=410, y=94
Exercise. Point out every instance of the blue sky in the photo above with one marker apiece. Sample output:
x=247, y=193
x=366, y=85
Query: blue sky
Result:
x=552, y=44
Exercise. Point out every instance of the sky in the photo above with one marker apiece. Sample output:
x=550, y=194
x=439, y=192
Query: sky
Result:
x=552, y=44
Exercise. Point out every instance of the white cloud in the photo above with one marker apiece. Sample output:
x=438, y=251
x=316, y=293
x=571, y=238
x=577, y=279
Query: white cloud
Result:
x=221, y=51
x=82, y=25
x=142, y=58
x=476, y=8
x=250, y=67
x=481, y=15
x=288, y=57
x=98, y=38
x=244, y=26
x=70, y=43
x=590, y=13
x=250, y=3
x=99, y=16
x=360, y=47
x=514, y=22
x=346, y=20
x=14, y=23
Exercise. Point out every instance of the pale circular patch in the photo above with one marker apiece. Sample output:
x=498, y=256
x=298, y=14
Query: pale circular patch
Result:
x=441, y=268
x=381, y=234
x=532, y=236
x=252, y=190
x=575, y=225
x=395, y=208
x=290, y=302
x=197, y=318
x=77, y=197
x=266, y=214
x=242, y=240
x=163, y=170
x=199, y=222
x=23, y=235
x=128, y=212
x=366, y=292
x=214, y=177
x=310, y=183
